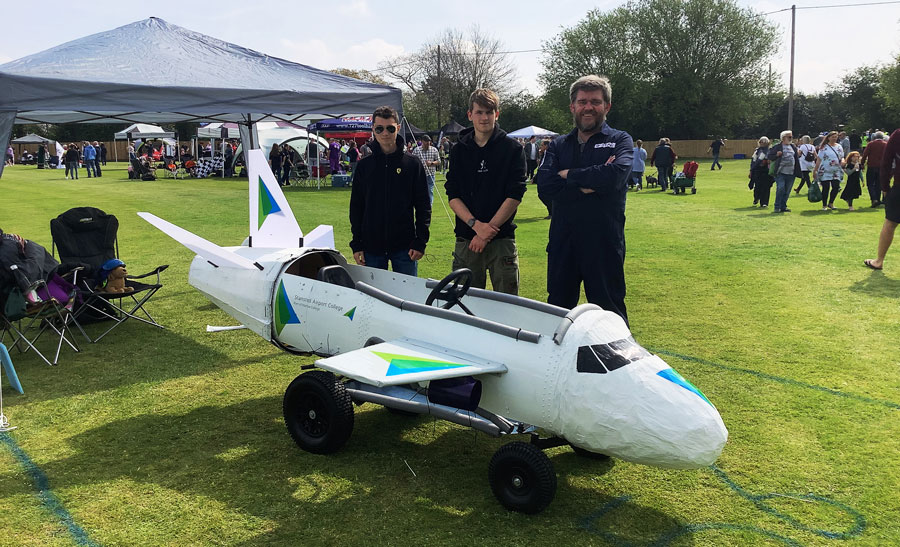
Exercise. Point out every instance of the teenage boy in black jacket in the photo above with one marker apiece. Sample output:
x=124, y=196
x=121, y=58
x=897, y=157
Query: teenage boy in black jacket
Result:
x=485, y=185
x=389, y=207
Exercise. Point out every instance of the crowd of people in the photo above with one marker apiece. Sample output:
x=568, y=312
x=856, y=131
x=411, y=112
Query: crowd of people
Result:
x=822, y=162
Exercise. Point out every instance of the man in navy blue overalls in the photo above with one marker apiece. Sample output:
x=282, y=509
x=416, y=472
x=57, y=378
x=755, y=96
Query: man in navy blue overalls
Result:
x=584, y=173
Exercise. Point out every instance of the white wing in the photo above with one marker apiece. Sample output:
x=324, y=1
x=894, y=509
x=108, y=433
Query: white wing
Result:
x=207, y=249
x=406, y=361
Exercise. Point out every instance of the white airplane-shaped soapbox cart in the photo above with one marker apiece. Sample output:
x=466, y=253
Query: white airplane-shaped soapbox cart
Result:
x=498, y=363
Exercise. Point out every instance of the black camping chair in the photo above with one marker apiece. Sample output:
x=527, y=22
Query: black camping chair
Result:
x=88, y=236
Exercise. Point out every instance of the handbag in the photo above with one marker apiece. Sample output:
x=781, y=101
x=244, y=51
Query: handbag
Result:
x=815, y=193
x=772, y=169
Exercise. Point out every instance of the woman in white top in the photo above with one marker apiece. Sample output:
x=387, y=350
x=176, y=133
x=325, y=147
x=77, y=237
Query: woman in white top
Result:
x=829, y=169
x=806, y=165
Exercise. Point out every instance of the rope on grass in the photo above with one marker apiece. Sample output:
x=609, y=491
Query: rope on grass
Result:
x=49, y=501
x=781, y=380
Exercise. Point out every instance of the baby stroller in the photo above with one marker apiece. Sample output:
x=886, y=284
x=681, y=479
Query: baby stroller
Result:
x=686, y=179
x=140, y=169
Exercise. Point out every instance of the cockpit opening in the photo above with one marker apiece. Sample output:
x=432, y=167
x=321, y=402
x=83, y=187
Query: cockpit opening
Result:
x=310, y=263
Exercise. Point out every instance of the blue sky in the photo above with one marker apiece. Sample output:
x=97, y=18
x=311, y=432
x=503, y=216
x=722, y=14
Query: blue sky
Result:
x=360, y=33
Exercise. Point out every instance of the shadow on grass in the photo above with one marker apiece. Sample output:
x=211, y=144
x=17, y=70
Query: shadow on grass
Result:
x=103, y=366
x=876, y=284
x=242, y=456
x=529, y=220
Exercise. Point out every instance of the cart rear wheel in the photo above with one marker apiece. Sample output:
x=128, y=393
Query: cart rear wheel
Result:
x=318, y=412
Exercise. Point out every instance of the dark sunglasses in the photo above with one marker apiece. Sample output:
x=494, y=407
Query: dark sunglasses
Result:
x=380, y=129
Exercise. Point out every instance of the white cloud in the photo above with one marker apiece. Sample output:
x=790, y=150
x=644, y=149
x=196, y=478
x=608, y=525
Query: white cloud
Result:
x=356, y=8
x=321, y=54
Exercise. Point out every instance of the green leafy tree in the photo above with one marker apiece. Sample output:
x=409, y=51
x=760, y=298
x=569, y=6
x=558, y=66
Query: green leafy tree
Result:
x=889, y=92
x=858, y=100
x=525, y=109
x=683, y=69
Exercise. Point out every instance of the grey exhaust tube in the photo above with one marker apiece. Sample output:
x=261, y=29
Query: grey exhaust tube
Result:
x=406, y=399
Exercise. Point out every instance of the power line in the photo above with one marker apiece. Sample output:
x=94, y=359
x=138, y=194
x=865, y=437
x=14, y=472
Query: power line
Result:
x=850, y=5
x=541, y=50
x=831, y=6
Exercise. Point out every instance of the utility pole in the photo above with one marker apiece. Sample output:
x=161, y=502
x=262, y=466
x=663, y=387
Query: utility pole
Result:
x=790, y=120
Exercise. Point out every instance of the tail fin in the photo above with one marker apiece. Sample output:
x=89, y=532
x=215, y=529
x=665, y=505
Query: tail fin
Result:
x=216, y=255
x=272, y=223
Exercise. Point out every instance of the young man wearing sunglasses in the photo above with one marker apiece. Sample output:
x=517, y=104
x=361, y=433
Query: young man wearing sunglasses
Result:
x=389, y=207
x=485, y=185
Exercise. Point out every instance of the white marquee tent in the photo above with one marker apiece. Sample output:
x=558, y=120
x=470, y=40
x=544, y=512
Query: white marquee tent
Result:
x=194, y=77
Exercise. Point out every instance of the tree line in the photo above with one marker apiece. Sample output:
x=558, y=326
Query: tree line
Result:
x=690, y=69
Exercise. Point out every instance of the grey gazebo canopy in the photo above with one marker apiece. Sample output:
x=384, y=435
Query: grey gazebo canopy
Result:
x=105, y=78
x=31, y=138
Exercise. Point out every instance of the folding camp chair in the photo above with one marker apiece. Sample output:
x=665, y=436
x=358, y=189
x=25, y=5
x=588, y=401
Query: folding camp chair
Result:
x=88, y=236
x=26, y=322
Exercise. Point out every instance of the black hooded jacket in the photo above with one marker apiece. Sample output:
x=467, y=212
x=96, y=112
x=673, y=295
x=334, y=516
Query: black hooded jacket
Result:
x=389, y=206
x=483, y=177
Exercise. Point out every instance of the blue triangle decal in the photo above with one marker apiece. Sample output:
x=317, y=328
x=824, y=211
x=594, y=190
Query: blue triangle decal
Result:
x=273, y=205
x=394, y=370
x=671, y=375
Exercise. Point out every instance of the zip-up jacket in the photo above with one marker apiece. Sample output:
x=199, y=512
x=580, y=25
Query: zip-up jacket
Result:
x=598, y=216
x=773, y=156
x=483, y=177
x=389, y=206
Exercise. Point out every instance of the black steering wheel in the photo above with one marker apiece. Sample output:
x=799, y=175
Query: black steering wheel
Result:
x=461, y=280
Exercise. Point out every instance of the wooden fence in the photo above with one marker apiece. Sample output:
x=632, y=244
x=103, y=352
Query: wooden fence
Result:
x=697, y=149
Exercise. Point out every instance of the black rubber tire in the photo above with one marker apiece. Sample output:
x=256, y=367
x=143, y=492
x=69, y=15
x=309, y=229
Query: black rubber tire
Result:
x=522, y=478
x=581, y=452
x=318, y=412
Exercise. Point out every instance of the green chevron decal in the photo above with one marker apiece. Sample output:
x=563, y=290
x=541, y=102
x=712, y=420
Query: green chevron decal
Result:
x=404, y=364
x=267, y=204
x=284, y=312
x=350, y=313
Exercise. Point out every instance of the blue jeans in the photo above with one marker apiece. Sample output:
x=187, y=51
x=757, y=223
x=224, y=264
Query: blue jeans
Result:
x=400, y=262
x=715, y=162
x=783, y=185
x=665, y=176
x=430, y=180
x=89, y=167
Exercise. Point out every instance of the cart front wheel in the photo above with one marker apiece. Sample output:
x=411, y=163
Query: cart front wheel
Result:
x=522, y=478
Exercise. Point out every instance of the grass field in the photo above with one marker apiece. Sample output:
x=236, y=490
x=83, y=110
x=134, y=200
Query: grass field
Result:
x=175, y=437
